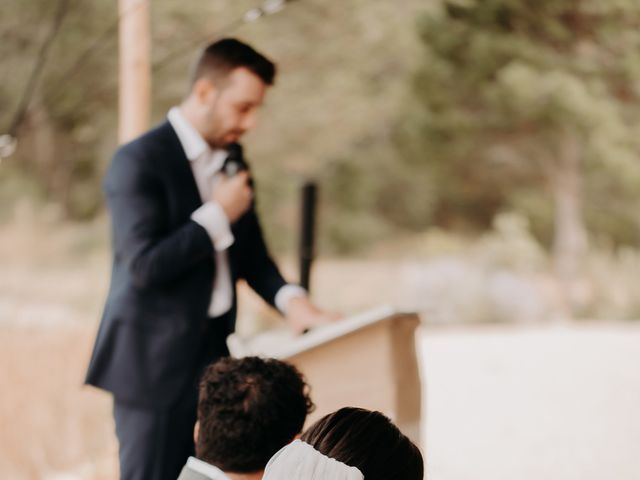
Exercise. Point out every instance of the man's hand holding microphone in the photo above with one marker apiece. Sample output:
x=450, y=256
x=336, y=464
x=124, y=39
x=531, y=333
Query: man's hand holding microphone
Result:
x=234, y=194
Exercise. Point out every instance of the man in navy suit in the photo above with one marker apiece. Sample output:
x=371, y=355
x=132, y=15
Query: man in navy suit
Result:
x=183, y=234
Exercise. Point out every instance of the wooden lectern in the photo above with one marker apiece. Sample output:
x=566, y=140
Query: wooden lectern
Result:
x=368, y=360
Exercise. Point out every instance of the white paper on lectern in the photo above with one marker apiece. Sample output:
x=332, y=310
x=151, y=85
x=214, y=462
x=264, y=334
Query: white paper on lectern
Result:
x=281, y=343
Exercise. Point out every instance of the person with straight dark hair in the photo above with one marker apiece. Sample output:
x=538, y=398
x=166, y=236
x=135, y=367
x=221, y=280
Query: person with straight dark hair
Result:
x=349, y=444
x=248, y=409
x=184, y=231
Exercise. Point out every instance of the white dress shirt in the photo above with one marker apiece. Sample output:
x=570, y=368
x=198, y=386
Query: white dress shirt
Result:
x=206, y=469
x=205, y=165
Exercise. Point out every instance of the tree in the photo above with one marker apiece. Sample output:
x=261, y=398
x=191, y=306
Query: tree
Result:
x=67, y=134
x=528, y=92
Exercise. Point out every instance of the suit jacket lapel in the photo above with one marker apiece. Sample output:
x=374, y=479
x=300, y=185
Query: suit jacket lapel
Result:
x=179, y=171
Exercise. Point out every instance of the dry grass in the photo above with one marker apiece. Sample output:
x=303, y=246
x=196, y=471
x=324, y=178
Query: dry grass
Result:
x=52, y=283
x=50, y=422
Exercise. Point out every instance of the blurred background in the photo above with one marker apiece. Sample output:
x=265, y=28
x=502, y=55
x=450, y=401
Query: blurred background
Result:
x=478, y=162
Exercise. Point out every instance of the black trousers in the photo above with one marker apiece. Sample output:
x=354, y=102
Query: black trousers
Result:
x=155, y=443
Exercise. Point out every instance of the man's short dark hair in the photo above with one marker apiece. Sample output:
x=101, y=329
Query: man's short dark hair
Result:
x=248, y=409
x=218, y=60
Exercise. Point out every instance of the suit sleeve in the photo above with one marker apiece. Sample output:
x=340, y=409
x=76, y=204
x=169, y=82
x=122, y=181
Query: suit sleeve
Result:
x=153, y=253
x=258, y=268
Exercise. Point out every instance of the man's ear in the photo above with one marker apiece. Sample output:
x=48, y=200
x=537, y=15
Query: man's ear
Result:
x=196, y=431
x=204, y=89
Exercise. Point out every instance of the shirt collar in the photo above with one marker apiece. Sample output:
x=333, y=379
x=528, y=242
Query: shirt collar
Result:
x=193, y=144
x=206, y=469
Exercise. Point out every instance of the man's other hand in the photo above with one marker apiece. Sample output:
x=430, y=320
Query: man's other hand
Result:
x=234, y=195
x=303, y=315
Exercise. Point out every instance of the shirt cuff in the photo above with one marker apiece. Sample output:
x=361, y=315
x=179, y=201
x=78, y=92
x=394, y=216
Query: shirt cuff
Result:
x=213, y=219
x=285, y=294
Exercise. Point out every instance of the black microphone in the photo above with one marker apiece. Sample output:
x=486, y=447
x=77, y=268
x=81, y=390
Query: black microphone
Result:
x=235, y=162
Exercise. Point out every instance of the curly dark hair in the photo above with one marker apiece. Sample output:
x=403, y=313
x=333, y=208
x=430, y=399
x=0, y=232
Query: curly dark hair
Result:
x=248, y=409
x=369, y=441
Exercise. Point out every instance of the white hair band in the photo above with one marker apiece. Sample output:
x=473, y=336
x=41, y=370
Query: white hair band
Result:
x=300, y=461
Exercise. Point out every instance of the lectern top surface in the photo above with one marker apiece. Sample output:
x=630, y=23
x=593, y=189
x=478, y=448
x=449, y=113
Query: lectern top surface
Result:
x=281, y=343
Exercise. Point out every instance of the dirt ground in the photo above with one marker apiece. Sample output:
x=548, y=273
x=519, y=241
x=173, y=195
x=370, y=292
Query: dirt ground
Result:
x=555, y=402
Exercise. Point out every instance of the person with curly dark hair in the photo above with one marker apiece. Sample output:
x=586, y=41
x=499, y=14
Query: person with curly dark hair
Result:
x=248, y=409
x=349, y=444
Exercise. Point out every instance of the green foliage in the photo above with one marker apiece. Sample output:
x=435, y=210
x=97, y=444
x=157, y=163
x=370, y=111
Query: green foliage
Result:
x=502, y=84
x=70, y=114
x=611, y=288
x=342, y=66
x=496, y=85
x=69, y=132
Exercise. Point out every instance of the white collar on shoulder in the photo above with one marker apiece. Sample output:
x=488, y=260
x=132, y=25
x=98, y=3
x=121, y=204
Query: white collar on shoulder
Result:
x=206, y=469
x=192, y=142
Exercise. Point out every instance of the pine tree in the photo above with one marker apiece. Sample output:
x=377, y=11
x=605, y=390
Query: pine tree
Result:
x=537, y=91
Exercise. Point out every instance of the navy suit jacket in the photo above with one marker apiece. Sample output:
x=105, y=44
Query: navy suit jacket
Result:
x=163, y=272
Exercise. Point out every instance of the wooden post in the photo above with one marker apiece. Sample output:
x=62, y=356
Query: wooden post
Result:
x=135, y=69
